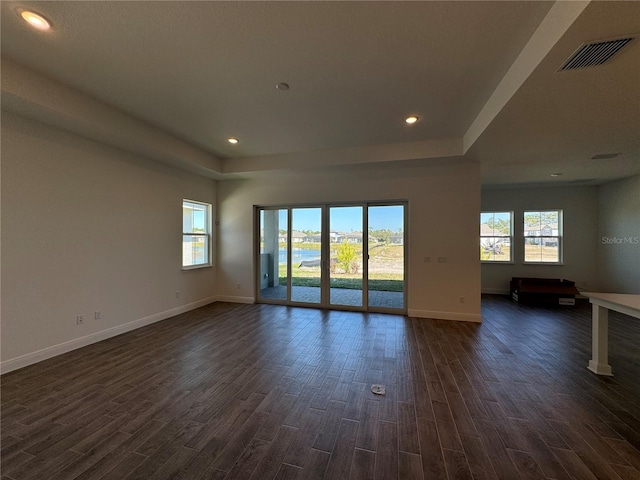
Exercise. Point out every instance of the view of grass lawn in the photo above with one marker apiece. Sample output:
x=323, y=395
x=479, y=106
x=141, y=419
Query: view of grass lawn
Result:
x=386, y=269
x=532, y=253
x=310, y=277
x=503, y=254
x=541, y=253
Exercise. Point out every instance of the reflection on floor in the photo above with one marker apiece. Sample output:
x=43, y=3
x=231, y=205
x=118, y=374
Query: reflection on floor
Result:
x=339, y=296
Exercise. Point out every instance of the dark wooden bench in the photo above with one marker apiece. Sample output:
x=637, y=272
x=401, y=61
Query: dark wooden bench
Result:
x=543, y=291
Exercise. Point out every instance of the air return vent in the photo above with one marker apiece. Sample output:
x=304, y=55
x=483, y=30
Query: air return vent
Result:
x=596, y=53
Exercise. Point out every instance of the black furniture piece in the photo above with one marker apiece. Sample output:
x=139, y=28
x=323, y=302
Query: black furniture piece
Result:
x=543, y=291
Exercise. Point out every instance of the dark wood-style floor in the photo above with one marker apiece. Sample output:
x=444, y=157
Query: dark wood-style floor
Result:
x=262, y=392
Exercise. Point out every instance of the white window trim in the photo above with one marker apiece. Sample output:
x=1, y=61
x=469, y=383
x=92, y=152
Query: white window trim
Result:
x=560, y=238
x=208, y=235
x=510, y=237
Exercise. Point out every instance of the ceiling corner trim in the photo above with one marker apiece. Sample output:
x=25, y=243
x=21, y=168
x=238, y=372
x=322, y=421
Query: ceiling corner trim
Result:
x=31, y=95
x=369, y=154
x=557, y=21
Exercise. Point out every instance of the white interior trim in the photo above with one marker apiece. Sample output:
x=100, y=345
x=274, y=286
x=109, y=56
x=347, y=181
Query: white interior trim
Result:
x=558, y=20
x=65, y=347
x=461, y=317
x=235, y=299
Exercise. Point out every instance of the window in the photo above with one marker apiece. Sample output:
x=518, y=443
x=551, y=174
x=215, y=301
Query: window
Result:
x=496, y=236
x=542, y=236
x=196, y=234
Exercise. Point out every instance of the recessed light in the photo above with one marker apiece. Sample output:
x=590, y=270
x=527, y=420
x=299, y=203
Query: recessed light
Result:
x=35, y=20
x=282, y=86
x=556, y=174
x=233, y=140
x=412, y=119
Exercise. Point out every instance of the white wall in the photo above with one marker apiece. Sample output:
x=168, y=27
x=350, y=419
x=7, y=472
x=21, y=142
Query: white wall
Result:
x=619, y=236
x=444, y=201
x=87, y=227
x=580, y=242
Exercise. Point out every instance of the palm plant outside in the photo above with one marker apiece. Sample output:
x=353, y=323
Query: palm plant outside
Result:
x=386, y=268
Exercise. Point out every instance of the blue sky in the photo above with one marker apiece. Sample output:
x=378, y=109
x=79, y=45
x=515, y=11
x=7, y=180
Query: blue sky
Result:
x=346, y=219
x=485, y=216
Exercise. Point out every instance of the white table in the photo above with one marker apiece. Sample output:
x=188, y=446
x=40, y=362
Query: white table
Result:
x=601, y=304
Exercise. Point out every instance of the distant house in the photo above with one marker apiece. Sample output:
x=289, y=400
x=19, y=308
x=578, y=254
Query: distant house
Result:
x=397, y=239
x=298, y=237
x=342, y=237
x=548, y=230
x=313, y=238
x=334, y=237
x=486, y=230
x=353, y=237
x=490, y=239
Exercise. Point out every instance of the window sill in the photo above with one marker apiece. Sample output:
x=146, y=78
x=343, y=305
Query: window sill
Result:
x=557, y=264
x=197, y=267
x=488, y=262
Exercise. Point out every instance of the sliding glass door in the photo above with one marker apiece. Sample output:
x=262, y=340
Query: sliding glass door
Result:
x=386, y=272
x=306, y=255
x=273, y=259
x=338, y=256
x=346, y=256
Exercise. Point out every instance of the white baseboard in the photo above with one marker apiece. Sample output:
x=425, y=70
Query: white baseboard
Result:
x=232, y=299
x=496, y=291
x=55, y=350
x=461, y=317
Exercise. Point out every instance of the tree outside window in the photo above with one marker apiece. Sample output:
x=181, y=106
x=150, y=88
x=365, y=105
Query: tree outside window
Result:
x=496, y=236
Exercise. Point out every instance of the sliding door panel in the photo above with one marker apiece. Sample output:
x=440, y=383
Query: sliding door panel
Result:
x=386, y=256
x=274, y=234
x=346, y=256
x=306, y=255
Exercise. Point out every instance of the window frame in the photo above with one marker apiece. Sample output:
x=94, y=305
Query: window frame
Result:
x=207, y=235
x=510, y=261
x=559, y=237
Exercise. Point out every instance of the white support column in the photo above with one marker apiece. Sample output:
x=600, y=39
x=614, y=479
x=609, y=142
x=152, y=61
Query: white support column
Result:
x=271, y=233
x=600, y=341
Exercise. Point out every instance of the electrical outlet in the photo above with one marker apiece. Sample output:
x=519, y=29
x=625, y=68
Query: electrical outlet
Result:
x=97, y=315
x=79, y=319
x=177, y=294
x=238, y=286
x=461, y=299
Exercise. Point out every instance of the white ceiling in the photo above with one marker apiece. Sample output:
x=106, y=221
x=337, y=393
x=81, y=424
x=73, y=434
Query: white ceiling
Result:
x=204, y=71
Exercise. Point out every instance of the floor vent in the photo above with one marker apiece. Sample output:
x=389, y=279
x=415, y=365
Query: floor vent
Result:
x=596, y=53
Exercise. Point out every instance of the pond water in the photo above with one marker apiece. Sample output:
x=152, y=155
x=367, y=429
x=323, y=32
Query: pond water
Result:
x=298, y=254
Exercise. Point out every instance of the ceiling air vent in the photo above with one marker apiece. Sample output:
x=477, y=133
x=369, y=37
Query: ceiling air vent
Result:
x=596, y=53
